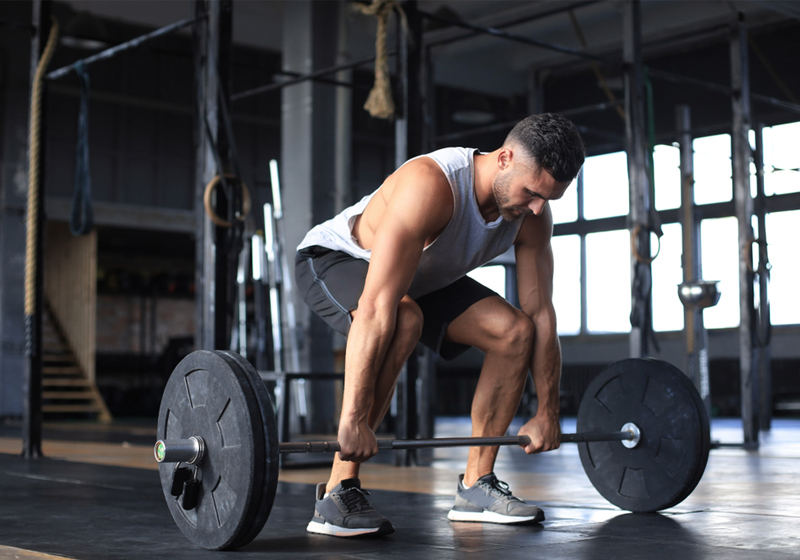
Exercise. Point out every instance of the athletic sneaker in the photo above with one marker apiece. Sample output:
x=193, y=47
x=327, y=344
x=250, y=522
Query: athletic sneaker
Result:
x=345, y=512
x=490, y=501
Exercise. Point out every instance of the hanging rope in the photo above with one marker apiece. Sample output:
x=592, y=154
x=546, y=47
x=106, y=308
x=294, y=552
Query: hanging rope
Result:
x=379, y=103
x=81, y=218
x=33, y=171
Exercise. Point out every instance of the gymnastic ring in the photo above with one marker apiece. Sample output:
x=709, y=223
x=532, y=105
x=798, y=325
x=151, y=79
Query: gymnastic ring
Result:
x=212, y=184
x=635, y=250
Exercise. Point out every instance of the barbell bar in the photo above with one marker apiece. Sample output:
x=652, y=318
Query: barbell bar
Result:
x=218, y=449
x=192, y=449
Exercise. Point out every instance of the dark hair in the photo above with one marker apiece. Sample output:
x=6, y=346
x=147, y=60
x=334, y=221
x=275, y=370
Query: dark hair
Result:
x=553, y=142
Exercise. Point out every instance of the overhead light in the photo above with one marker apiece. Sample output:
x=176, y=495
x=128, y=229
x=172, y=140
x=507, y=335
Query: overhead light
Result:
x=474, y=109
x=472, y=116
x=85, y=31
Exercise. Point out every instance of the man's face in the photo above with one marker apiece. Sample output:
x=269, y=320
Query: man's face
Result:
x=521, y=190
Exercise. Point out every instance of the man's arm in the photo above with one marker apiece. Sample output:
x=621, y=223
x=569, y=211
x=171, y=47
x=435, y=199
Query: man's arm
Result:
x=418, y=204
x=534, y=257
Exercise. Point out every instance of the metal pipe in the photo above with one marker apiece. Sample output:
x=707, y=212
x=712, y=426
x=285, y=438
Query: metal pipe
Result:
x=112, y=51
x=493, y=31
x=560, y=9
x=307, y=77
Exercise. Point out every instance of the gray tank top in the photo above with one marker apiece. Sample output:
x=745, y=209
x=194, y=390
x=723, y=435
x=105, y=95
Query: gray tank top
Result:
x=466, y=243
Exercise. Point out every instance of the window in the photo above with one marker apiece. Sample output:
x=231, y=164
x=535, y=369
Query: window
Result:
x=712, y=169
x=782, y=235
x=567, y=283
x=565, y=209
x=667, y=274
x=781, y=159
x=492, y=276
x=667, y=171
x=605, y=186
x=608, y=291
x=719, y=246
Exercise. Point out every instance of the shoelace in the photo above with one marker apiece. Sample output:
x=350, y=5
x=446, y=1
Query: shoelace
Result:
x=498, y=486
x=354, y=500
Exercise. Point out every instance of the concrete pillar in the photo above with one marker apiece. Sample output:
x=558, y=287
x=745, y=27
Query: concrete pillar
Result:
x=308, y=161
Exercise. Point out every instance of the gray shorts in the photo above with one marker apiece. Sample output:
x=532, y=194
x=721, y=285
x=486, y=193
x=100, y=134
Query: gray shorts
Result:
x=331, y=283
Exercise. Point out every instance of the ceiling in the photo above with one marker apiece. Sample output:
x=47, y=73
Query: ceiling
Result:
x=483, y=63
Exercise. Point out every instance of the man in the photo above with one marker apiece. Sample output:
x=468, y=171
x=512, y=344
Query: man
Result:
x=391, y=271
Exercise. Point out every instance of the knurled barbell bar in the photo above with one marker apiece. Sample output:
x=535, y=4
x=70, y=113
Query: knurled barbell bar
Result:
x=218, y=450
x=192, y=450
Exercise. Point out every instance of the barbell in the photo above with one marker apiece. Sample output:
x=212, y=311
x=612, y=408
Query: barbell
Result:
x=643, y=438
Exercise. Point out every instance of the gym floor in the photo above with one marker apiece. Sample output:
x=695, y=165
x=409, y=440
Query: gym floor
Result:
x=97, y=495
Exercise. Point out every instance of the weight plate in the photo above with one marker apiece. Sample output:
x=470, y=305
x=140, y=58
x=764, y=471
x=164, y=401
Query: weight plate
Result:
x=706, y=438
x=206, y=397
x=271, y=456
x=668, y=462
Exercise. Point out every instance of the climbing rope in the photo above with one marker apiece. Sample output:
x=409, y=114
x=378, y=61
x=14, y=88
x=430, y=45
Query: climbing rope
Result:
x=379, y=103
x=31, y=239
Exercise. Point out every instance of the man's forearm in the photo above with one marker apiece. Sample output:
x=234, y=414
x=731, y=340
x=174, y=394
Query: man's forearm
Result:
x=546, y=369
x=367, y=345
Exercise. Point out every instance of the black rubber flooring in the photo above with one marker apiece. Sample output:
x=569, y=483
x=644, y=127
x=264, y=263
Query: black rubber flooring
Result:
x=747, y=506
x=97, y=512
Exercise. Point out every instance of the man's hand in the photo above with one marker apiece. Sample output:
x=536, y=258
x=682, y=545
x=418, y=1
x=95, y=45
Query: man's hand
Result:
x=544, y=432
x=357, y=442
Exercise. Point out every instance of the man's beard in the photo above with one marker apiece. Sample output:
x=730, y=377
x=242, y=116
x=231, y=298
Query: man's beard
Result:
x=500, y=187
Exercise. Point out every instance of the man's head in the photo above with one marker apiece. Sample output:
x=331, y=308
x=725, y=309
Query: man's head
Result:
x=551, y=142
x=539, y=159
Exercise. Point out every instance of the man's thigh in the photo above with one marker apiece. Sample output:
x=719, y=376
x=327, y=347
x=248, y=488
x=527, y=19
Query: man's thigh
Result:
x=331, y=283
x=483, y=323
x=445, y=307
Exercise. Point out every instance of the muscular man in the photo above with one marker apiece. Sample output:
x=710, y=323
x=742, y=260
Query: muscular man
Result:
x=391, y=271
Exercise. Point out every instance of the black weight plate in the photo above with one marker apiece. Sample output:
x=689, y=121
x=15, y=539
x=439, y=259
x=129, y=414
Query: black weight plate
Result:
x=206, y=397
x=656, y=473
x=706, y=439
x=271, y=461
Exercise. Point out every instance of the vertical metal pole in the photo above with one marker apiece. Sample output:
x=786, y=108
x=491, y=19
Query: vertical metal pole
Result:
x=214, y=274
x=32, y=383
x=743, y=201
x=583, y=264
x=408, y=143
x=764, y=328
x=695, y=334
x=635, y=142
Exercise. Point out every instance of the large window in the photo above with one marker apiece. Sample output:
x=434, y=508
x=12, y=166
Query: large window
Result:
x=712, y=169
x=603, y=279
x=781, y=159
x=782, y=235
x=719, y=249
x=608, y=292
x=567, y=283
x=605, y=190
x=667, y=274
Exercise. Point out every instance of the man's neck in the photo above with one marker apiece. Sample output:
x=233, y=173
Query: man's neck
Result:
x=485, y=171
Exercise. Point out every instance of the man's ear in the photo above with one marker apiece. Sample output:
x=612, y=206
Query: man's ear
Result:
x=504, y=157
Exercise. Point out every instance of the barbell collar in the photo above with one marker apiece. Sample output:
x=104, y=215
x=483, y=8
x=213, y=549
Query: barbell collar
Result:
x=190, y=450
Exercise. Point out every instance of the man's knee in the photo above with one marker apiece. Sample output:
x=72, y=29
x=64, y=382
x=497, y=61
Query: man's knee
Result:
x=512, y=335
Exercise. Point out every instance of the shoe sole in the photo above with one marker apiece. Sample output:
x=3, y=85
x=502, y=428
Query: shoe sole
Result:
x=492, y=517
x=336, y=531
